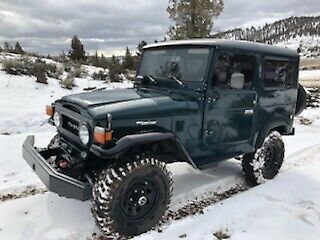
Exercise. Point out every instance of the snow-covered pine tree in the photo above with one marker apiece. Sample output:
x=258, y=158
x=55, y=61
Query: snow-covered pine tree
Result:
x=192, y=18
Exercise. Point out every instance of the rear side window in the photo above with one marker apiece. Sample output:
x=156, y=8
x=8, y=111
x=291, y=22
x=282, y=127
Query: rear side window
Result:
x=278, y=74
x=229, y=65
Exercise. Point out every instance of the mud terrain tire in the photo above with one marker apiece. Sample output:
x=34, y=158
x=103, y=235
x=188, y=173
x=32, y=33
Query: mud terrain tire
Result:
x=266, y=161
x=131, y=199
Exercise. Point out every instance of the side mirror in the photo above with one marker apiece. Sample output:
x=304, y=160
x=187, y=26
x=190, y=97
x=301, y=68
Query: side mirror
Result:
x=237, y=81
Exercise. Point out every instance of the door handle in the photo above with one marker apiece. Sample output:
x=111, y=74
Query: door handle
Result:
x=248, y=112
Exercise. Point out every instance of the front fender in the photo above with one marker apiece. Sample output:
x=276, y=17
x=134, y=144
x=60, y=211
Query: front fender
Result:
x=127, y=142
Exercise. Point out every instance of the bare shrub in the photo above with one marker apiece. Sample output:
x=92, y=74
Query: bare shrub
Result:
x=9, y=66
x=101, y=75
x=67, y=66
x=39, y=71
x=57, y=73
x=18, y=66
x=68, y=82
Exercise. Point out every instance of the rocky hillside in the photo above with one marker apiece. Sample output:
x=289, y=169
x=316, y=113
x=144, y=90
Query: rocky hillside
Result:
x=293, y=32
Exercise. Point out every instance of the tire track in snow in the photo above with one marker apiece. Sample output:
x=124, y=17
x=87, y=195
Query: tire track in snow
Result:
x=301, y=157
x=198, y=205
x=192, y=208
x=28, y=191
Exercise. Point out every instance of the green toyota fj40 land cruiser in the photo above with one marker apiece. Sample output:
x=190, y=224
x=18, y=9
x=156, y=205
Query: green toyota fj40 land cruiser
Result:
x=195, y=101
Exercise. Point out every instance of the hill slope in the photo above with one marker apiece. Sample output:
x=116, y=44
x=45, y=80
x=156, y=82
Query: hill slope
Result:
x=293, y=32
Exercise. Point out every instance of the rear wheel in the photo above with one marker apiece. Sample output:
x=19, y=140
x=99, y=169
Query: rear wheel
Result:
x=131, y=199
x=266, y=161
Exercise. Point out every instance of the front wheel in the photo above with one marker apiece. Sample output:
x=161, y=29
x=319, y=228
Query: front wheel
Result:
x=266, y=161
x=131, y=199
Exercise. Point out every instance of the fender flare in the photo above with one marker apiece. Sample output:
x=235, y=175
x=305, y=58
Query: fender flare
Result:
x=265, y=130
x=127, y=142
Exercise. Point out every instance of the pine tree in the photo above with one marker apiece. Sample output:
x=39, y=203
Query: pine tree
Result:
x=128, y=62
x=18, y=49
x=95, y=61
x=104, y=62
x=77, y=51
x=115, y=69
x=192, y=18
x=140, y=47
x=7, y=47
x=114, y=60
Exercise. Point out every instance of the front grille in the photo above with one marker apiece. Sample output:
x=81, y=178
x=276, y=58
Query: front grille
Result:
x=72, y=108
x=70, y=124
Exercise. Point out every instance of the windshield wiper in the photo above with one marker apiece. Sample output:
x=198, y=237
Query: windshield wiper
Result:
x=177, y=80
x=148, y=77
x=151, y=78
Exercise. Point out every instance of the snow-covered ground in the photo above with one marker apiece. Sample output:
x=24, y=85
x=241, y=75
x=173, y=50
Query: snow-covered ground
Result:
x=287, y=207
x=309, y=75
x=310, y=78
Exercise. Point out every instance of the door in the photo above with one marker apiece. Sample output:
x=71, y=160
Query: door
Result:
x=230, y=104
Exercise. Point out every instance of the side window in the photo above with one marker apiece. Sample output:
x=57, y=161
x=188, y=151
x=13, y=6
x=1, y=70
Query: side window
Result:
x=291, y=71
x=234, y=71
x=278, y=74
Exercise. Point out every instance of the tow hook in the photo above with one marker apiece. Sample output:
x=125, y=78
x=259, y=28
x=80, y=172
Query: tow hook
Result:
x=63, y=164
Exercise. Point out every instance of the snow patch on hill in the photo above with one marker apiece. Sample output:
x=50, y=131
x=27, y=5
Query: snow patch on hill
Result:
x=309, y=45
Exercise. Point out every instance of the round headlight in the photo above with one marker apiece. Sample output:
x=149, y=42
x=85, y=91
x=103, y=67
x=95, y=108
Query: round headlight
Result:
x=84, y=134
x=57, y=119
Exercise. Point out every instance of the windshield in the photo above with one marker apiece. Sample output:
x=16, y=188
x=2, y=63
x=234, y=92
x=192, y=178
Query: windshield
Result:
x=183, y=64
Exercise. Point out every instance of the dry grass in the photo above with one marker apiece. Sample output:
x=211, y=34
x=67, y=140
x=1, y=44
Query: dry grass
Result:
x=309, y=63
x=310, y=83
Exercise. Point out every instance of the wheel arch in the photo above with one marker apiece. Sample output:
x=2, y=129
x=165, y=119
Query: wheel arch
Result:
x=170, y=149
x=134, y=142
x=280, y=126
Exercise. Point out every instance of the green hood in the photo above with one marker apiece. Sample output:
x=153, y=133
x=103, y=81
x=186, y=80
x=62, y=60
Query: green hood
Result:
x=97, y=98
x=130, y=103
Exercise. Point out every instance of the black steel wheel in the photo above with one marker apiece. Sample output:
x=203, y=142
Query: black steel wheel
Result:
x=266, y=161
x=131, y=199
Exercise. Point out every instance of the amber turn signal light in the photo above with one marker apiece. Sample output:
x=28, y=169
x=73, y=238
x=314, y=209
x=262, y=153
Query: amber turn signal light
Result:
x=49, y=110
x=101, y=135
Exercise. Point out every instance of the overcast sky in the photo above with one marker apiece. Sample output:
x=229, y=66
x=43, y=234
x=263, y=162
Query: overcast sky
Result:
x=46, y=26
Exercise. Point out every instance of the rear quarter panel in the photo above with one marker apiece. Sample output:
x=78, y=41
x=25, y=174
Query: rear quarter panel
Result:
x=275, y=106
